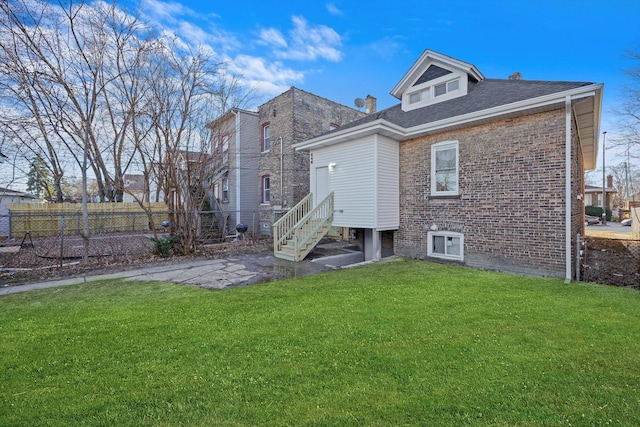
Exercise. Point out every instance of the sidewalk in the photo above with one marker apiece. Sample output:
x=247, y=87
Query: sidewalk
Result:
x=611, y=230
x=219, y=273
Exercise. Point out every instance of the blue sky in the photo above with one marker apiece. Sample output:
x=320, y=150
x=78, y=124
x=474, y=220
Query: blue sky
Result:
x=343, y=50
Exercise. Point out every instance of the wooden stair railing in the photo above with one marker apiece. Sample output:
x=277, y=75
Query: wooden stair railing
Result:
x=300, y=230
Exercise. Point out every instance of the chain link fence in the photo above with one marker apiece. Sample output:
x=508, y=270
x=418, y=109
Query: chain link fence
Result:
x=32, y=239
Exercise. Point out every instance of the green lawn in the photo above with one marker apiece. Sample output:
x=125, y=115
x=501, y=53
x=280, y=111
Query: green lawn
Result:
x=394, y=343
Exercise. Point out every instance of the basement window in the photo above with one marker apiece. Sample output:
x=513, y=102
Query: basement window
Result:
x=445, y=245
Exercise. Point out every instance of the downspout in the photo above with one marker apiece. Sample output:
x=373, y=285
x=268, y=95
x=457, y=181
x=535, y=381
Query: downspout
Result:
x=567, y=189
x=238, y=170
x=282, y=199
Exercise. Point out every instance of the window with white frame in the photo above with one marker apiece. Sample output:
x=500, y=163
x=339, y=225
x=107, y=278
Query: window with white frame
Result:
x=266, y=137
x=419, y=96
x=225, y=190
x=266, y=192
x=433, y=91
x=444, y=168
x=446, y=245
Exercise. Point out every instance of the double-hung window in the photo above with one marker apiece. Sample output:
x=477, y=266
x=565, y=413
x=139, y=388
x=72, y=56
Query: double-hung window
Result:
x=444, y=168
x=225, y=190
x=266, y=137
x=266, y=191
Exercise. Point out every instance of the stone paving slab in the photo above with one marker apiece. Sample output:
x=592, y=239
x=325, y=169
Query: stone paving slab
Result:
x=216, y=273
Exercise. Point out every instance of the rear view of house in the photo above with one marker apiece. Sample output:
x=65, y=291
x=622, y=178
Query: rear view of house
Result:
x=484, y=172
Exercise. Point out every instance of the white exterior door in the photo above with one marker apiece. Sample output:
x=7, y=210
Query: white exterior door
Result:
x=322, y=185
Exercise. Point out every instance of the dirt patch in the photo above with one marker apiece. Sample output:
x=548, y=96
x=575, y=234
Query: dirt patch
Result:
x=47, y=257
x=612, y=262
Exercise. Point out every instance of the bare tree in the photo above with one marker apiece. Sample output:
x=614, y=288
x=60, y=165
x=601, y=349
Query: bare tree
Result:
x=94, y=85
x=183, y=100
x=628, y=111
x=58, y=67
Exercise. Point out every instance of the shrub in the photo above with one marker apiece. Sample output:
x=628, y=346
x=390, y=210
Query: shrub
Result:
x=596, y=211
x=163, y=246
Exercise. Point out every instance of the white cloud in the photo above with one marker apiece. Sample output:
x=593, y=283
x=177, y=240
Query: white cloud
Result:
x=165, y=11
x=303, y=42
x=269, y=78
x=272, y=37
x=191, y=27
x=307, y=42
x=333, y=9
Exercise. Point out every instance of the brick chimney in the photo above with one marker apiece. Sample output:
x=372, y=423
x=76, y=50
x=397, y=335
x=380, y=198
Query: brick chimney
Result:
x=515, y=76
x=609, y=181
x=370, y=104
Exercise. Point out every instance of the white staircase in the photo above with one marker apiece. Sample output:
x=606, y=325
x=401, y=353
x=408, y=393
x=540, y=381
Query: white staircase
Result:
x=302, y=228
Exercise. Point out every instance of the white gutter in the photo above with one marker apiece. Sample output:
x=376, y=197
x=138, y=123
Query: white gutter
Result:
x=500, y=110
x=398, y=132
x=567, y=189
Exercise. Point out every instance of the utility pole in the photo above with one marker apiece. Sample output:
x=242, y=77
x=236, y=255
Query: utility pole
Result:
x=604, y=182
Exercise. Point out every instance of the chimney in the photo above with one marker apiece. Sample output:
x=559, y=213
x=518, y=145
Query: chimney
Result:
x=515, y=76
x=370, y=103
x=609, y=181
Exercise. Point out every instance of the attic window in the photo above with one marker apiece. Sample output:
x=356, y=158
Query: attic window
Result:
x=444, y=88
x=418, y=96
x=447, y=87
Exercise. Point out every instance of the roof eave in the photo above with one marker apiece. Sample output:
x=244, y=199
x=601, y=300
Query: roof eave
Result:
x=590, y=145
x=502, y=110
x=400, y=133
x=379, y=127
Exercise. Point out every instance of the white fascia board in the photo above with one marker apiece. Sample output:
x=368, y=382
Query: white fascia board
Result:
x=504, y=109
x=379, y=126
x=399, y=133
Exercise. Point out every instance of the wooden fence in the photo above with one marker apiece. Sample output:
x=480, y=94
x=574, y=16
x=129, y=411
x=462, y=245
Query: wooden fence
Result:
x=51, y=219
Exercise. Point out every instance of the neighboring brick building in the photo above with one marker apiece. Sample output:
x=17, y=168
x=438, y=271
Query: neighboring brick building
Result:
x=287, y=119
x=484, y=172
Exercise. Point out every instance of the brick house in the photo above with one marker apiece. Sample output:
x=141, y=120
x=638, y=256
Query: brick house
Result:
x=593, y=194
x=483, y=172
x=283, y=173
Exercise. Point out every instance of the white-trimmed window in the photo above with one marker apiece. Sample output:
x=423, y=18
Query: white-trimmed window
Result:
x=444, y=168
x=446, y=245
x=433, y=91
x=266, y=137
x=419, y=96
x=225, y=190
x=447, y=87
x=265, y=198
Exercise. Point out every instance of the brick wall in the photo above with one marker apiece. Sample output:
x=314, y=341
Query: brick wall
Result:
x=295, y=116
x=512, y=195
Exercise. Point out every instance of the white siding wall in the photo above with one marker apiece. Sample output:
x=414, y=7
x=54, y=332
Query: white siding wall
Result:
x=388, y=202
x=249, y=180
x=364, y=181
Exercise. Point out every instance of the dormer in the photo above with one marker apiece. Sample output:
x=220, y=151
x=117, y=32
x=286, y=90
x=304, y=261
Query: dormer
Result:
x=434, y=78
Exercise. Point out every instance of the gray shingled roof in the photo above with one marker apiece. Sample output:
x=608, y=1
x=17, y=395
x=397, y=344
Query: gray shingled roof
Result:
x=482, y=95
